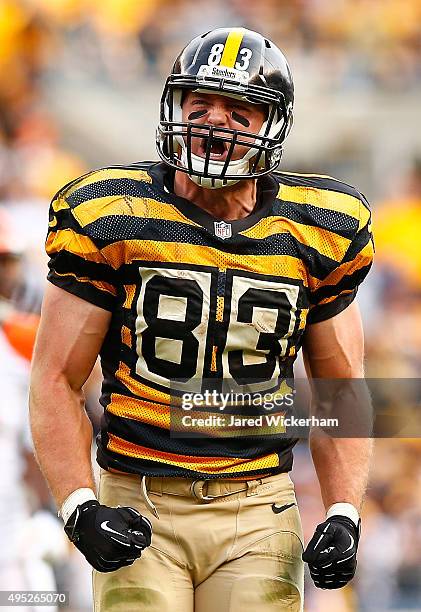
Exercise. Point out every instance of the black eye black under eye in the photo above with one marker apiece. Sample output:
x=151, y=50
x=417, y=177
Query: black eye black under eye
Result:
x=240, y=119
x=196, y=114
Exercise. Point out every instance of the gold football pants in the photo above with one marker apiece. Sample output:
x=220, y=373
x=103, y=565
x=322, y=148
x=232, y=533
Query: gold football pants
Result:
x=218, y=546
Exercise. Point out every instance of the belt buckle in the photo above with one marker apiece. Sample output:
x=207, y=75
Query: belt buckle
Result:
x=199, y=494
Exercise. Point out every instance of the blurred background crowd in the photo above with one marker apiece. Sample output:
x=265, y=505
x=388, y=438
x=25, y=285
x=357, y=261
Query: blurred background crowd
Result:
x=80, y=83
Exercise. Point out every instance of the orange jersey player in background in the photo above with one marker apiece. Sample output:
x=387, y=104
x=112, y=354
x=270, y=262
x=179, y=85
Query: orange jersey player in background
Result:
x=19, y=328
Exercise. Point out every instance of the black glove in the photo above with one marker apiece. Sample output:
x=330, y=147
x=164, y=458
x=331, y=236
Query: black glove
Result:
x=331, y=553
x=108, y=537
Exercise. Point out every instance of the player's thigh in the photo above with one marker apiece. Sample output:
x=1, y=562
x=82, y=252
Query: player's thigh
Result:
x=268, y=577
x=157, y=582
x=154, y=583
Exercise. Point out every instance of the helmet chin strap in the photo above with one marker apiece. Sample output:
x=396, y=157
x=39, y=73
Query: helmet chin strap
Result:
x=238, y=166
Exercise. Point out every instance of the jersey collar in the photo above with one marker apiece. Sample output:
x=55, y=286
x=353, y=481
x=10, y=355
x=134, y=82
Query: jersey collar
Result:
x=267, y=190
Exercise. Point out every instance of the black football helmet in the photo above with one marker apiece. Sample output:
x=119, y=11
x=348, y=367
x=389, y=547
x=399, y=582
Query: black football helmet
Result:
x=237, y=63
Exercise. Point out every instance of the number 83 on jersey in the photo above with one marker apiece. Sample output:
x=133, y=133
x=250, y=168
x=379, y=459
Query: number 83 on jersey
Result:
x=201, y=323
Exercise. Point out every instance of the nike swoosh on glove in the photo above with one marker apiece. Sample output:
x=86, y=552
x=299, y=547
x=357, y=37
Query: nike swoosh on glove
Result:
x=331, y=553
x=109, y=538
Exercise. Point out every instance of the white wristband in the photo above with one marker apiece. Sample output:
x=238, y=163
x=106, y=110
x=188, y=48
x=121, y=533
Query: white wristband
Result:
x=344, y=509
x=74, y=500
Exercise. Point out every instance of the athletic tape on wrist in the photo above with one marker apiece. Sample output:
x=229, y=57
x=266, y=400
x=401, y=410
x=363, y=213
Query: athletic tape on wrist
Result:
x=344, y=509
x=75, y=499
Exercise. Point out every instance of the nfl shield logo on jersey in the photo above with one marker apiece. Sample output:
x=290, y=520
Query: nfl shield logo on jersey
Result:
x=223, y=230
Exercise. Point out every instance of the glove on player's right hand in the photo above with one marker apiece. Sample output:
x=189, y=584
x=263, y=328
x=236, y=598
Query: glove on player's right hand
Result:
x=109, y=538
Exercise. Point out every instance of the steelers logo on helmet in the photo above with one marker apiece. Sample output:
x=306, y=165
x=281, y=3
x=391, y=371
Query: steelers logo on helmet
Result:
x=240, y=64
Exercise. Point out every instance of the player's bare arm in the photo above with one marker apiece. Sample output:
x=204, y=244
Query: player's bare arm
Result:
x=335, y=349
x=69, y=339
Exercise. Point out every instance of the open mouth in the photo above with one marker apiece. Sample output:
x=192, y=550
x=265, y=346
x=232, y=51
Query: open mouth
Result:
x=218, y=150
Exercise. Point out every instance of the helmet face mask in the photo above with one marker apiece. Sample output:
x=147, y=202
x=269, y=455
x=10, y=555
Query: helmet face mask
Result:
x=267, y=81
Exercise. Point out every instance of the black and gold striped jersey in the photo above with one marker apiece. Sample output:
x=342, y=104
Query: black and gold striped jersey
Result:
x=195, y=298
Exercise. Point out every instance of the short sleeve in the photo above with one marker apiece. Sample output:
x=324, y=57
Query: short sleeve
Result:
x=335, y=292
x=76, y=264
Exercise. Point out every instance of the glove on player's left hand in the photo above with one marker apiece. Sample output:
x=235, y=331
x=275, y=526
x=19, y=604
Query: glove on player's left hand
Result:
x=331, y=553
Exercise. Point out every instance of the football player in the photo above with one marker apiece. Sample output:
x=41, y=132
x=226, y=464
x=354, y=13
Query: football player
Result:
x=207, y=266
